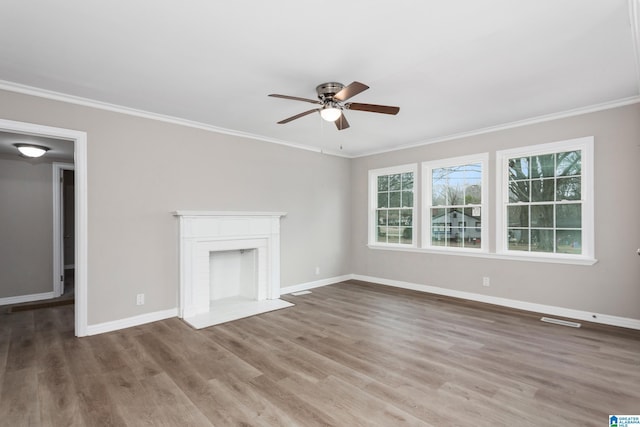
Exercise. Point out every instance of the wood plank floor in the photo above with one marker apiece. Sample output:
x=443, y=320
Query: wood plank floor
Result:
x=350, y=354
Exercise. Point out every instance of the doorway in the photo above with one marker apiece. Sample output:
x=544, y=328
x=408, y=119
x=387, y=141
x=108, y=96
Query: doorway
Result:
x=80, y=240
x=63, y=230
x=68, y=229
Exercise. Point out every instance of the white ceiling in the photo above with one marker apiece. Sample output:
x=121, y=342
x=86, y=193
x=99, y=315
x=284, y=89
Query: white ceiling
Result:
x=453, y=67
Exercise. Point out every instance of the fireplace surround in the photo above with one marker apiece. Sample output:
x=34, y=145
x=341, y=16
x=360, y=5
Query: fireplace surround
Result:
x=229, y=265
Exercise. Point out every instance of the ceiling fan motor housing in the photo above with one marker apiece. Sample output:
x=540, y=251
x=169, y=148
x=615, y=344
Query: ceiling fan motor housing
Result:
x=328, y=90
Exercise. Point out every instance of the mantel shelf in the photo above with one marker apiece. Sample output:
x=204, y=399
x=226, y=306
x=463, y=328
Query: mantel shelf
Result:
x=226, y=213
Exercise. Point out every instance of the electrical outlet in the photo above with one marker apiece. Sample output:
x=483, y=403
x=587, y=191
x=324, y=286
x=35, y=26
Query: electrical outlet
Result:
x=140, y=299
x=317, y=270
x=486, y=282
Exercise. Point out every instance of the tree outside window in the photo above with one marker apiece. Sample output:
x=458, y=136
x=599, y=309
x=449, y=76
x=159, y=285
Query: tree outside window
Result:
x=544, y=211
x=546, y=197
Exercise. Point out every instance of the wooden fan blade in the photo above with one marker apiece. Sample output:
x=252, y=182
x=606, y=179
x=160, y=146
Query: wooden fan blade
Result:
x=384, y=109
x=352, y=90
x=297, y=116
x=295, y=98
x=341, y=122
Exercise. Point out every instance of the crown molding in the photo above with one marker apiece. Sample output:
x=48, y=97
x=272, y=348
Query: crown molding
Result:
x=72, y=99
x=540, y=119
x=86, y=102
x=634, y=19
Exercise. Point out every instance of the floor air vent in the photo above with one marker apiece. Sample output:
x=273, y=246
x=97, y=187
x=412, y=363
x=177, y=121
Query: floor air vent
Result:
x=561, y=322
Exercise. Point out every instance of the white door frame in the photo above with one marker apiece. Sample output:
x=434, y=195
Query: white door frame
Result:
x=79, y=139
x=58, y=227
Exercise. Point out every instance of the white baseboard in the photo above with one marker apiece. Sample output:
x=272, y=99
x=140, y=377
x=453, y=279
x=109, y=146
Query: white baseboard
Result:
x=605, y=319
x=586, y=316
x=26, y=298
x=129, y=322
x=314, y=284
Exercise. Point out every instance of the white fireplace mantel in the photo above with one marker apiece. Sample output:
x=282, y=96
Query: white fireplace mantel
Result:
x=205, y=232
x=228, y=213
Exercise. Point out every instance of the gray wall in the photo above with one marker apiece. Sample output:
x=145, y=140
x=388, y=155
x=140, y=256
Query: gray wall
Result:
x=140, y=170
x=26, y=227
x=612, y=286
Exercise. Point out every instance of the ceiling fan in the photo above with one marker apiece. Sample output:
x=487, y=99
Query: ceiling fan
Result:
x=332, y=97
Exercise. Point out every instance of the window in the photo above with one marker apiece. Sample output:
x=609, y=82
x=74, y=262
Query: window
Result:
x=455, y=203
x=543, y=195
x=545, y=200
x=392, y=208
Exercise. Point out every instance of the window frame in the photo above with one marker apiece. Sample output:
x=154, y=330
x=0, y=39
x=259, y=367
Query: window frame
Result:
x=585, y=145
x=373, y=205
x=427, y=202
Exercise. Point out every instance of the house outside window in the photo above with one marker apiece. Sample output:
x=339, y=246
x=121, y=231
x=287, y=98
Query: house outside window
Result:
x=455, y=198
x=545, y=196
x=392, y=206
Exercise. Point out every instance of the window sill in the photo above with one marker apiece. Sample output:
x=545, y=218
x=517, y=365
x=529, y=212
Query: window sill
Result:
x=488, y=255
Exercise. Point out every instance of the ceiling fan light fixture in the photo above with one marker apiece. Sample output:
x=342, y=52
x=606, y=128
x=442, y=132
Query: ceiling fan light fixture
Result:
x=330, y=113
x=31, y=150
